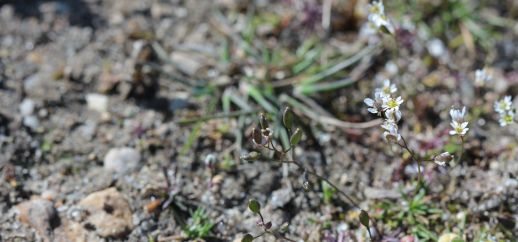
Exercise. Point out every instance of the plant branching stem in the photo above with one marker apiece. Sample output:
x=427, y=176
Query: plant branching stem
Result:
x=405, y=146
x=328, y=182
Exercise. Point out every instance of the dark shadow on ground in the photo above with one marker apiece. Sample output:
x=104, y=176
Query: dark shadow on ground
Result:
x=77, y=11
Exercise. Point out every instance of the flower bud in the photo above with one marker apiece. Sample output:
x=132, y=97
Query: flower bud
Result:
x=385, y=30
x=307, y=186
x=285, y=226
x=264, y=123
x=252, y=156
x=254, y=206
x=210, y=161
x=295, y=138
x=257, y=136
x=287, y=118
x=247, y=238
x=268, y=225
x=443, y=158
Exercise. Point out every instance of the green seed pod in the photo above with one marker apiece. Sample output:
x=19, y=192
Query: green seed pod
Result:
x=247, y=238
x=295, y=138
x=364, y=218
x=285, y=226
x=264, y=123
x=287, y=118
x=252, y=156
x=254, y=206
x=256, y=134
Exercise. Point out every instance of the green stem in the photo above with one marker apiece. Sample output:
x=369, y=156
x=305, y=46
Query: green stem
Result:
x=418, y=182
x=461, y=151
x=260, y=235
x=276, y=234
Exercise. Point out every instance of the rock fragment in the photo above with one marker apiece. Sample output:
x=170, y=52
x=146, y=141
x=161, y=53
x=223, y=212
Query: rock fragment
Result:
x=123, y=160
x=107, y=213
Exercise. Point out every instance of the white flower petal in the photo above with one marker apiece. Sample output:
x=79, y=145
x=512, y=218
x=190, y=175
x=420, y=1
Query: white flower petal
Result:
x=369, y=102
x=463, y=125
x=452, y=132
x=372, y=110
x=386, y=83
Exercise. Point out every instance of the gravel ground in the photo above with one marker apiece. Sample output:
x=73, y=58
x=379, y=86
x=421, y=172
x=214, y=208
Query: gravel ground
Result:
x=91, y=148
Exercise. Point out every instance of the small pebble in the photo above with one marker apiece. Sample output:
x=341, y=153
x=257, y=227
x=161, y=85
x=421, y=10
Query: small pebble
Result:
x=97, y=102
x=123, y=160
x=27, y=107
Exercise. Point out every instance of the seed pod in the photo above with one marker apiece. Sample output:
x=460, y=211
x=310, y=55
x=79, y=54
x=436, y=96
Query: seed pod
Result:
x=252, y=156
x=247, y=238
x=287, y=118
x=364, y=218
x=264, y=122
x=285, y=226
x=254, y=206
x=256, y=134
x=295, y=138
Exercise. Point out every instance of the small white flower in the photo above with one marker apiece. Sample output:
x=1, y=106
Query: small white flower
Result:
x=391, y=103
x=443, y=158
x=491, y=238
x=377, y=16
x=387, y=87
x=506, y=117
x=391, y=134
x=376, y=103
x=459, y=128
x=503, y=104
x=481, y=77
x=368, y=29
x=393, y=114
x=457, y=115
x=389, y=124
x=267, y=132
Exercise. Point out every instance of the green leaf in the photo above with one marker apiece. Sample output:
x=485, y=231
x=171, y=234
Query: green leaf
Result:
x=247, y=238
x=254, y=206
x=364, y=218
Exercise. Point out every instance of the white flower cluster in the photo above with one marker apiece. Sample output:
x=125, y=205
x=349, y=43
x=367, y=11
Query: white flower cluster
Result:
x=481, y=77
x=505, y=109
x=384, y=102
x=378, y=17
x=458, y=124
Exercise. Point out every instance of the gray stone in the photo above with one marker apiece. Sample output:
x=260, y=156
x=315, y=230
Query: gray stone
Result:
x=31, y=121
x=97, y=102
x=27, y=107
x=123, y=160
